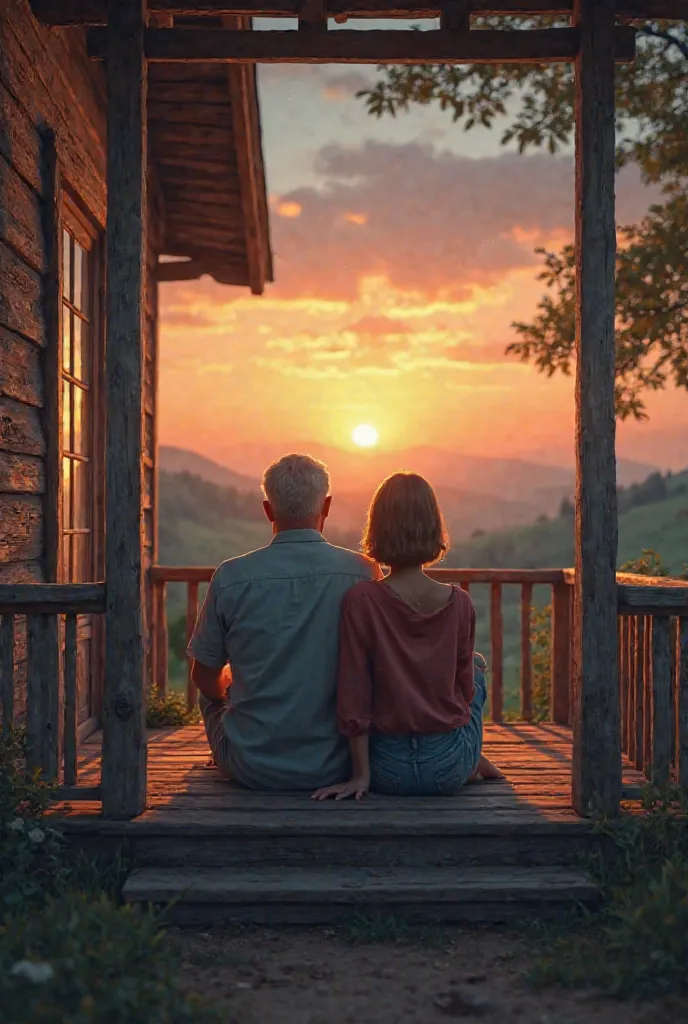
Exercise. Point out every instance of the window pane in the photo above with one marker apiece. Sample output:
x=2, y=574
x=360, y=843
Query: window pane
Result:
x=66, y=494
x=81, y=546
x=67, y=559
x=82, y=353
x=80, y=476
x=66, y=417
x=66, y=339
x=80, y=425
x=66, y=264
x=80, y=278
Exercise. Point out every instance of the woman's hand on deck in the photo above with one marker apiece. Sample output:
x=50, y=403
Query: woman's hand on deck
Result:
x=357, y=788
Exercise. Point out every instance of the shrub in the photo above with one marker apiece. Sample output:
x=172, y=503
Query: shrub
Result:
x=169, y=710
x=89, y=962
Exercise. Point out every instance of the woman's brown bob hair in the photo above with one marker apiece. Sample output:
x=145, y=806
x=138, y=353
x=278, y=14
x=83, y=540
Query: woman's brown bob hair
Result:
x=405, y=525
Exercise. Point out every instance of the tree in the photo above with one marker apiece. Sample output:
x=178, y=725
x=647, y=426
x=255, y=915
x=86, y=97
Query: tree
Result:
x=652, y=131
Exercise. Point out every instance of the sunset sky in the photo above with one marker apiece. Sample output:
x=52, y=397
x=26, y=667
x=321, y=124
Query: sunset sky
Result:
x=403, y=250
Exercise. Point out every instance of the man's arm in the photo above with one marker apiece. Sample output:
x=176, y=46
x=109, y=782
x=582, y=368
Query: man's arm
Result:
x=211, y=682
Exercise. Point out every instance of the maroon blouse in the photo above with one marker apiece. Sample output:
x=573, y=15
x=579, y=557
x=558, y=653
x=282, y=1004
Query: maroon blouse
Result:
x=402, y=671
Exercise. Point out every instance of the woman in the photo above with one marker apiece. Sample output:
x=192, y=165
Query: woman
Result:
x=411, y=689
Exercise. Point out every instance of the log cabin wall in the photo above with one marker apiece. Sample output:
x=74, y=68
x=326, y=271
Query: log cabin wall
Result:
x=51, y=98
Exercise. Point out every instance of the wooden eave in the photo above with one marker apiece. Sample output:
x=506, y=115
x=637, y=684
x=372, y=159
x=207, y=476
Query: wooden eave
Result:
x=205, y=144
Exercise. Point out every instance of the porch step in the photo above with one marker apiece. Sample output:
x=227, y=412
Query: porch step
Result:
x=209, y=896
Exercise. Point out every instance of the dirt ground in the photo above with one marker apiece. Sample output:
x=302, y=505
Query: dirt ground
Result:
x=321, y=977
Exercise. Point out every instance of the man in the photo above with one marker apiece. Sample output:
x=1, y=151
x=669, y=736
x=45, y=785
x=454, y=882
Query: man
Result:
x=269, y=631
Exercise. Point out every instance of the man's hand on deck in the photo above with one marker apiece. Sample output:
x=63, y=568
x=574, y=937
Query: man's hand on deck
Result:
x=354, y=787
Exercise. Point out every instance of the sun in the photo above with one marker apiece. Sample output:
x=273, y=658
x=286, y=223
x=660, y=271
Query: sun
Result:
x=365, y=436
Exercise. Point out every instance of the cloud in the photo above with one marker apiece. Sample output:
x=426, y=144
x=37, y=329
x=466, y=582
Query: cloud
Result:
x=344, y=85
x=426, y=220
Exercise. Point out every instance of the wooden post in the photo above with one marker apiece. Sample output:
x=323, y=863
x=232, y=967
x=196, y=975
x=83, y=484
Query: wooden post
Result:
x=632, y=708
x=7, y=673
x=43, y=694
x=160, y=638
x=682, y=701
x=71, y=700
x=596, y=782
x=124, y=737
x=661, y=699
x=641, y=641
x=526, y=653
x=497, y=654
x=560, y=687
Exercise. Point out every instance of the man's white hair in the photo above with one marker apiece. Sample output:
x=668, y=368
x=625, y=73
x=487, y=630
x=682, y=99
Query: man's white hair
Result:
x=296, y=487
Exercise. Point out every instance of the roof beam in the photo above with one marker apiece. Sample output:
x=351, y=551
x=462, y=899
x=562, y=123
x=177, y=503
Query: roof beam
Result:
x=94, y=12
x=556, y=45
x=192, y=269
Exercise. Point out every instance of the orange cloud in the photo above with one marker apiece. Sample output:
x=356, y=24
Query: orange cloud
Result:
x=356, y=218
x=290, y=210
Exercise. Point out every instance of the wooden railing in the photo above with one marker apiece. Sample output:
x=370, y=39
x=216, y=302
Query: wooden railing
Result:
x=653, y=676
x=44, y=617
x=496, y=579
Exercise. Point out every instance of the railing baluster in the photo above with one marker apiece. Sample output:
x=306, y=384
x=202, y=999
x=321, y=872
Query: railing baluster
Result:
x=621, y=671
x=465, y=587
x=560, y=664
x=191, y=616
x=647, y=741
x=70, y=702
x=161, y=637
x=526, y=653
x=497, y=652
x=661, y=700
x=43, y=694
x=630, y=669
x=7, y=672
x=639, y=759
x=682, y=704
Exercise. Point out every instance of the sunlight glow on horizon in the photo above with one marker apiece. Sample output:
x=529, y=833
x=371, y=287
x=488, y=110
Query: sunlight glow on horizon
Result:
x=365, y=435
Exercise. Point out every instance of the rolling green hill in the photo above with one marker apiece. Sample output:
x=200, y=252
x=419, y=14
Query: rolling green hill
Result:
x=202, y=523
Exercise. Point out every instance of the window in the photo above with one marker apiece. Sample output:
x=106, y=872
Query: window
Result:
x=78, y=366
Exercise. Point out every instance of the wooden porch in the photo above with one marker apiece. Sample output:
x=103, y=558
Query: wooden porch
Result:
x=496, y=851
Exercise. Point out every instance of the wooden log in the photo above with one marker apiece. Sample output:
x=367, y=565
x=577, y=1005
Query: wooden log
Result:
x=20, y=218
x=661, y=701
x=19, y=142
x=43, y=695
x=21, y=527
x=682, y=706
x=670, y=599
x=191, y=616
x=526, y=653
x=7, y=672
x=21, y=474
x=560, y=697
x=52, y=598
x=94, y=12
x=124, y=736
x=596, y=721
x=640, y=685
x=20, y=428
x=497, y=653
x=20, y=370
x=70, y=703
x=161, y=639
x=20, y=297
x=52, y=360
x=376, y=46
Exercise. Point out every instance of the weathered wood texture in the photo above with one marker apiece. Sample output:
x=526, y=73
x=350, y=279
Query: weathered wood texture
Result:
x=682, y=704
x=560, y=695
x=20, y=369
x=124, y=740
x=661, y=701
x=43, y=695
x=376, y=46
x=94, y=12
x=497, y=652
x=71, y=702
x=526, y=653
x=53, y=598
x=596, y=722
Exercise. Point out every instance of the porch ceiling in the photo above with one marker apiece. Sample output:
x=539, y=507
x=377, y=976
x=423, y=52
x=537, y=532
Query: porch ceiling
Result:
x=205, y=144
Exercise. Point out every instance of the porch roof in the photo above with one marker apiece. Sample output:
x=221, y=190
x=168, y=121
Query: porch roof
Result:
x=205, y=144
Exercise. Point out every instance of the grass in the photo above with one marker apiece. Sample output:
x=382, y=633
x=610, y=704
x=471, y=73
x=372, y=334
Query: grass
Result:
x=637, y=947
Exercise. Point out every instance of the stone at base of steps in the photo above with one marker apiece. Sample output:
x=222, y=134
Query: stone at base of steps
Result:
x=300, y=896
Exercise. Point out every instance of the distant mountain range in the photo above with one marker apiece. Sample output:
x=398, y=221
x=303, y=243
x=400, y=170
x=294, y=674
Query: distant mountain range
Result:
x=475, y=493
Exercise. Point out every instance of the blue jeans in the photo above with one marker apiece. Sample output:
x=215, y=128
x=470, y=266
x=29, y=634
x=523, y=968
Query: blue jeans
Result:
x=436, y=765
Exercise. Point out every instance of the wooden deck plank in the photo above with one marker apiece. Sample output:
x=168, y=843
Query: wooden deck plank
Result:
x=185, y=792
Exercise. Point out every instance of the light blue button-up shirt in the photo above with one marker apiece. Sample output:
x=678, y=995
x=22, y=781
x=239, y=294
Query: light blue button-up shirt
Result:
x=273, y=615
